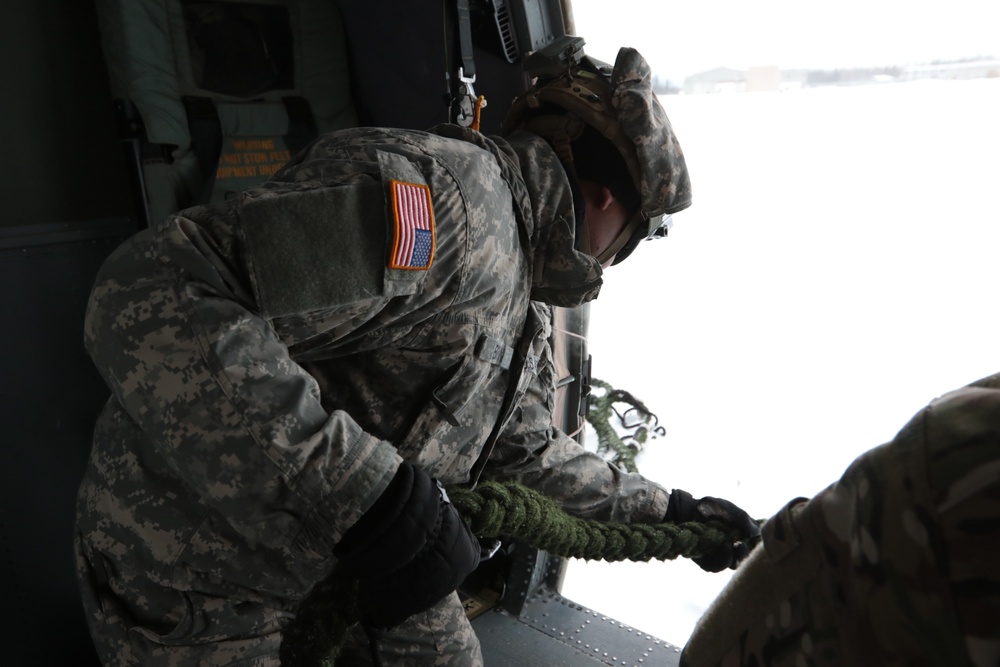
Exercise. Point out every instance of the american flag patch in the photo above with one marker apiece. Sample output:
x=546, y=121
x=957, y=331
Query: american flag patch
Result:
x=413, y=247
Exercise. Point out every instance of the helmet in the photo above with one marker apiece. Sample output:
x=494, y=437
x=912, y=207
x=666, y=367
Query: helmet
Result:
x=573, y=90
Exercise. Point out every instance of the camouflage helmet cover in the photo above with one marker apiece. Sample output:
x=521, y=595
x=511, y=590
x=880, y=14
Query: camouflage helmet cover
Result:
x=618, y=102
x=663, y=181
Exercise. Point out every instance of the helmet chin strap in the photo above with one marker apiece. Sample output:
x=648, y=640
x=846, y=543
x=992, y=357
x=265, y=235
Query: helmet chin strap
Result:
x=623, y=237
x=583, y=237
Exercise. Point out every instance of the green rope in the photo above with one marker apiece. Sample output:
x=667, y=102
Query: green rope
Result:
x=492, y=510
x=637, y=418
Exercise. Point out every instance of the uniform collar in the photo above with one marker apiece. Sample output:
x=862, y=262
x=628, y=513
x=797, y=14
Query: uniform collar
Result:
x=563, y=276
x=544, y=205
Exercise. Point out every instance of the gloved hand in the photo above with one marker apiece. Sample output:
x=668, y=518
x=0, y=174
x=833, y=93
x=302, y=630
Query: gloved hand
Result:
x=683, y=507
x=409, y=550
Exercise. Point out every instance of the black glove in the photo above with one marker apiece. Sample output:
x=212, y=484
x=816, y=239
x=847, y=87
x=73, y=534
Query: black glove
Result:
x=683, y=507
x=409, y=550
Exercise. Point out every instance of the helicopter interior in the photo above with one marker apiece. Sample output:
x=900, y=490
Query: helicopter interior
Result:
x=127, y=110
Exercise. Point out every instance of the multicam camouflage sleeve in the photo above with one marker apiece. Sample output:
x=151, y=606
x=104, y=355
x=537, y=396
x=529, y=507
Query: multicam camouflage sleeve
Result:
x=894, y=564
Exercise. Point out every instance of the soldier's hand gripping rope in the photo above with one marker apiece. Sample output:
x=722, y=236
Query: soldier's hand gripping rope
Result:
x=408, y=551
x=684, y=508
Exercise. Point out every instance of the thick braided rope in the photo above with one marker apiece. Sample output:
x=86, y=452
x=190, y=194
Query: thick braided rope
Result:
x=492, y=510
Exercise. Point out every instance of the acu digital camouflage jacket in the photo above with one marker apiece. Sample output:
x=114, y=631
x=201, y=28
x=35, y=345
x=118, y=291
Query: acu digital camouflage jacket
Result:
x=273, y=359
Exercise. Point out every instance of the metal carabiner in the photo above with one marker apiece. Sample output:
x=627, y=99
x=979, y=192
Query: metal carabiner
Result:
x=466, y=114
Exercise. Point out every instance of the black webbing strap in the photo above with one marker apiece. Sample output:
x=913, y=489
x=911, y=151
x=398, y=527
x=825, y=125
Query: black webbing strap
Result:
x=301, y=123
x=465, y=39
x=466, y=104
x=206, y=137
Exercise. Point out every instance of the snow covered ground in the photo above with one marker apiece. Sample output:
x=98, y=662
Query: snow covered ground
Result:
x=837, y=270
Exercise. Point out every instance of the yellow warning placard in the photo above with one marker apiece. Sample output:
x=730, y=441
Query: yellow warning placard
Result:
x=251, y=158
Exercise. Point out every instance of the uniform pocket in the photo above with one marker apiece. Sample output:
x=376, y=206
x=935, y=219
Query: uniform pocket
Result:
x=218, y=561
x=458, y=416
x=226, y=624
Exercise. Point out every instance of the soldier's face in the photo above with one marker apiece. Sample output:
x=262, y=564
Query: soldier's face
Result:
x=605, y=218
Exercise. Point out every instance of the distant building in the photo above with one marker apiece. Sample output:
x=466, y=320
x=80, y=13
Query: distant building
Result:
x=971, y=69
x=756, y=79
x=773, y=78
x=793, y=79
x=763, y=79
x=718, y=80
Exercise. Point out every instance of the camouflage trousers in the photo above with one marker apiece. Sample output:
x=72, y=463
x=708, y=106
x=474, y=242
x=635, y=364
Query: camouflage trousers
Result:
x=897, y=563
x=441, y=636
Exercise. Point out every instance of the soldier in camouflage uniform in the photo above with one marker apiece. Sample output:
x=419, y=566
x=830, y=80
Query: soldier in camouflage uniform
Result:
x=895, y=564
x=290, y=369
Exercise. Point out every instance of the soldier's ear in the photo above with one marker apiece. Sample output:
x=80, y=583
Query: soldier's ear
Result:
x=597, y=195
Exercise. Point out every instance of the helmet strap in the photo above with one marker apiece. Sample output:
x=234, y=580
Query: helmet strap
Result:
x=560, y=131
x=623, y=237
x=583, y=236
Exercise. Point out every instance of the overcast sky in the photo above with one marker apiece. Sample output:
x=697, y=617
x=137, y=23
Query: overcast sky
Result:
x=682, y=37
